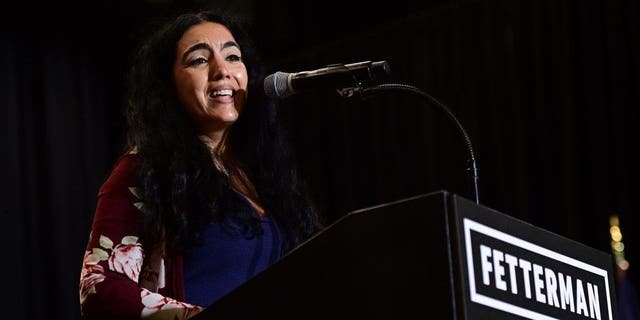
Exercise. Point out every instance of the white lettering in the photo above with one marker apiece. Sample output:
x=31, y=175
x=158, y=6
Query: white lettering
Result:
x=485, y=253
x=594, y=301
x=566, y=292
x=512, y=262
x=498, y=270
x=581, y=304
x=526, y=269
x=551, y=286
x=538, y=284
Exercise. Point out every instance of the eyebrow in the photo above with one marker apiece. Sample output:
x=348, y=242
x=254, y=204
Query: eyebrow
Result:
x=205, y=46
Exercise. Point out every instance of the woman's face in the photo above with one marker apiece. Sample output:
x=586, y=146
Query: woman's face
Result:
x=210, y=77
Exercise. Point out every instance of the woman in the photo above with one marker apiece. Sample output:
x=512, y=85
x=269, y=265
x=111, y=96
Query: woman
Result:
x=206, y=195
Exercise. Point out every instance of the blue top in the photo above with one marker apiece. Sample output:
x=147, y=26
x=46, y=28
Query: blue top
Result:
x=227, y=259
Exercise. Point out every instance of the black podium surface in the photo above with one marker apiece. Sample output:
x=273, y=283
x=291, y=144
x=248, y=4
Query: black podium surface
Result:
x=436, y=256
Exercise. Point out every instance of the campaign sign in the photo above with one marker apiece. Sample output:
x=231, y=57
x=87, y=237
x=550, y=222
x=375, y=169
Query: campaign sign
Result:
x=513, y=270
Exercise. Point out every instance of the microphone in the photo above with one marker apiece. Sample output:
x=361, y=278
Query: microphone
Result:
x=333, y=77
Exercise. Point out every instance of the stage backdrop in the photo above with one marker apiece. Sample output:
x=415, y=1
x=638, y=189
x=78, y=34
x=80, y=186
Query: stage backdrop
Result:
x=547, y=90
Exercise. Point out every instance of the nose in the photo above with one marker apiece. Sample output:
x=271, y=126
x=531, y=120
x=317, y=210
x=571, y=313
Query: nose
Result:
x=218, y=69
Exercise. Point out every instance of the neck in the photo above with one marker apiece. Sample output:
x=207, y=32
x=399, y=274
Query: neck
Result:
x=213, y=140
x=238, y=178
x=215, y=144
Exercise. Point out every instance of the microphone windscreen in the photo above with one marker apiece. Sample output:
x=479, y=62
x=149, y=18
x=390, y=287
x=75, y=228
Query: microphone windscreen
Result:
x=277, y=85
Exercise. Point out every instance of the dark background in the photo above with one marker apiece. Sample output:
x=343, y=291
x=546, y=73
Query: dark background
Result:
x=546, y=89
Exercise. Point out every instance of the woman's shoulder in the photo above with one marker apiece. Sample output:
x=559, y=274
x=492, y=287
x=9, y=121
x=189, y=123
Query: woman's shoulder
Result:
x=123, y=173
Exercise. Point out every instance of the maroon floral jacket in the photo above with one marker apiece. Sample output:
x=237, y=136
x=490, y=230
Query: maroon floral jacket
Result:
x=119, y=278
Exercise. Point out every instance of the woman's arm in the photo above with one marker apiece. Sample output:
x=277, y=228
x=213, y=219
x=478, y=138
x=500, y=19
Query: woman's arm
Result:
x=109, y=281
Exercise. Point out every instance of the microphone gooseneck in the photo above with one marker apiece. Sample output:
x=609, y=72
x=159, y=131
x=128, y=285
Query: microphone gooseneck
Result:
x=473, y=168
x=362, y=78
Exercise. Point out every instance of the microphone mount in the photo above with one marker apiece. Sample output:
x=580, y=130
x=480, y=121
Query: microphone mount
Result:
x=334, y=76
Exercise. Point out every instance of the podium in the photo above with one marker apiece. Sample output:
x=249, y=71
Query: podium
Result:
x=437, y=256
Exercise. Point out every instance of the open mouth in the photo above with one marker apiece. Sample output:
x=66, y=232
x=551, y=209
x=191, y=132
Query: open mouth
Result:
x=221, y=93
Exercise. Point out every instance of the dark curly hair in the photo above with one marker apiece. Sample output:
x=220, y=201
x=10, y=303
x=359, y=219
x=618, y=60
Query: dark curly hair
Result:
x=182, y=189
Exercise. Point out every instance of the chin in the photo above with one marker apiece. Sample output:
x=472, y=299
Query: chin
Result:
x=231, y=118
x=228, y=116
x=227, y=121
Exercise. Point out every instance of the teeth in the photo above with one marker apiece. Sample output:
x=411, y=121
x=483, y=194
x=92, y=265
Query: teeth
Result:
x=226, y=92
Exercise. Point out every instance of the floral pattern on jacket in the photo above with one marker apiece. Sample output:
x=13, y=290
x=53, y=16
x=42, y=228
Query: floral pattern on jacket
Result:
x=119, y=279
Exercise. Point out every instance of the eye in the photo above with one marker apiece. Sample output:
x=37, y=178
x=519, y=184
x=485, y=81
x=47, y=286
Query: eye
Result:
x=198, y=61
x=234, y=57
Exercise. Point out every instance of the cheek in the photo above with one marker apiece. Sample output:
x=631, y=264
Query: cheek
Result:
x=187, y=81
x=188, y=85
x=182, y=84
x=241, y=77
x=242, y=101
